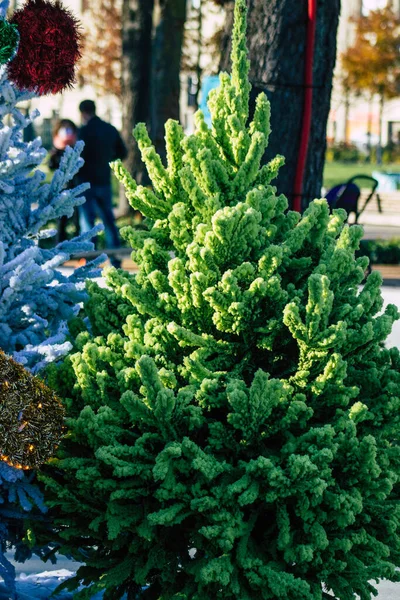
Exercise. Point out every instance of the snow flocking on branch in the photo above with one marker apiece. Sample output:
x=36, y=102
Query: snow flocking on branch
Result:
x=36, y=298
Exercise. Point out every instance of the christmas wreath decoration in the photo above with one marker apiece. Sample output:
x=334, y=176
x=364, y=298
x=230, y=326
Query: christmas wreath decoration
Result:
x=31, y=417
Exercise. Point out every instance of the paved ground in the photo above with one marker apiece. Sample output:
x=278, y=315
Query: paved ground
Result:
x=392, y=296
x=388, y=591
x=381, y=232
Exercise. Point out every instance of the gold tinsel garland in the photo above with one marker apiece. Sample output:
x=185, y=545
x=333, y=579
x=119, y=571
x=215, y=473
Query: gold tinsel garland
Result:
x=31, y=417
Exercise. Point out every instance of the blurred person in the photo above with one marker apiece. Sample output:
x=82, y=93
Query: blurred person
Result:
x=65, y=133
x=103, y=144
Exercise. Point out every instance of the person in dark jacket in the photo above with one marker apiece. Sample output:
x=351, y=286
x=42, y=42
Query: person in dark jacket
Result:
x=103, y=144
x=65, y=133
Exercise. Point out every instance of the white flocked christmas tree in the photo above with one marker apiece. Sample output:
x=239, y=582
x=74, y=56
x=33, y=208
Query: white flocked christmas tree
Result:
x=37, y=297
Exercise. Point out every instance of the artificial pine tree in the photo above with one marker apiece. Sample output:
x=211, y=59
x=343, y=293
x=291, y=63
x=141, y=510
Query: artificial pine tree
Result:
x=234, y=414
x=18, y=496
x=36, y=297
x=31, y=423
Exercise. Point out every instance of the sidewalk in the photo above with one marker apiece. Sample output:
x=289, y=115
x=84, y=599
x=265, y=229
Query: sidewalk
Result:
x=384, y=225
x=391, y=295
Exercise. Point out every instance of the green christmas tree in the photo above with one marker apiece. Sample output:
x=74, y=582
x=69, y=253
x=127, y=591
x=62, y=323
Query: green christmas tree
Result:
x=234, y=414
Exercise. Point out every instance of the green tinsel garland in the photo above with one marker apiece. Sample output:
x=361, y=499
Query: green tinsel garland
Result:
x=9, y=38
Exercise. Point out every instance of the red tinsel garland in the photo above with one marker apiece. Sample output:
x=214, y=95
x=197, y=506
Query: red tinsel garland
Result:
x=49, y=47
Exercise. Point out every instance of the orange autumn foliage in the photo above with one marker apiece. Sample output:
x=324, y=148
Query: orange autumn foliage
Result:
x=372, y=64
x=101, y=62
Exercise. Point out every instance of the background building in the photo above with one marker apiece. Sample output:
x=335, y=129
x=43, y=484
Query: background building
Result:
x=348, y=118
x=65, y=104
x=349, y=115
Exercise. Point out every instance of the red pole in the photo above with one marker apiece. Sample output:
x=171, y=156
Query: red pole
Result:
x=307, y=113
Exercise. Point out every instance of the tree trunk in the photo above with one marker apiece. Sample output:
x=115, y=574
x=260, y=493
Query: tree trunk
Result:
x=346, y=116
x=167, y=54
x=229, y=8
x=137, y=22
x=379, y=149
x=199, y=70
x=369, y=127
x=277, y=37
